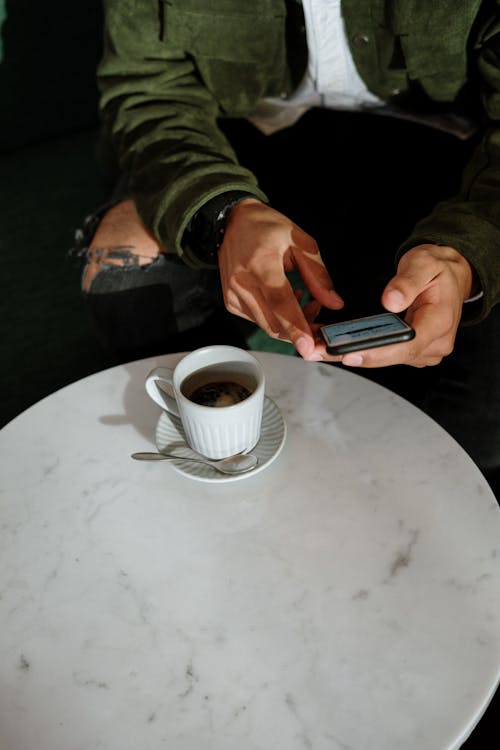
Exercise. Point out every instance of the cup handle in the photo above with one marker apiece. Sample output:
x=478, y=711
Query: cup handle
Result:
x=159, y=395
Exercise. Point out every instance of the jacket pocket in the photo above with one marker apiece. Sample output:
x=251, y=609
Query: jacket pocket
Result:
x=231, y=30
x=238, y=46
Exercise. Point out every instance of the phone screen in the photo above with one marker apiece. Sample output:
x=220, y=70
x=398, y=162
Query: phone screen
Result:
x=365, y=333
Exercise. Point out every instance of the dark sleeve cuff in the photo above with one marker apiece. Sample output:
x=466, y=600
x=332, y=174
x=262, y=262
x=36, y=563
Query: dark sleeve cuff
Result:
x=205, y=232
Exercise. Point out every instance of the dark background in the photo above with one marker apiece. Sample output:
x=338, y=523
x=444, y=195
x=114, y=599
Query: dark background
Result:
x=49, y=180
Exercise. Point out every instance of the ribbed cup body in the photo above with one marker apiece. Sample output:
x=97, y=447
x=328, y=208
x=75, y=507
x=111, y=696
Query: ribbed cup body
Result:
x=226, y=438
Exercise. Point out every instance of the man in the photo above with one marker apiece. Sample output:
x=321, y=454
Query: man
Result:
x=191, y=96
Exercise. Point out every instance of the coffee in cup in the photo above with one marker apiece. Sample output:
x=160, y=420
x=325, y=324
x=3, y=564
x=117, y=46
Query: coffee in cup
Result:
x=218, y=394
x=219, y=386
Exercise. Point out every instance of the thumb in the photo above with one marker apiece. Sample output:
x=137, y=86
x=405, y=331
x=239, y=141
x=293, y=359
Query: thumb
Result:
x=417, y=268
x=394, y=299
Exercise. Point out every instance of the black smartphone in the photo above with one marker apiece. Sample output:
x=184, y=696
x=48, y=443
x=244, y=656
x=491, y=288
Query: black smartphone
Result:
x=366, y=333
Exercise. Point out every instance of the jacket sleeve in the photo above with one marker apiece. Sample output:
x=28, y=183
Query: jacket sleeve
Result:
x=161, y=123
x=470, y=221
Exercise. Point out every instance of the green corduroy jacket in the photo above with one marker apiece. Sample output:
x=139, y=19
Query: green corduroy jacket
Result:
x=171, y=68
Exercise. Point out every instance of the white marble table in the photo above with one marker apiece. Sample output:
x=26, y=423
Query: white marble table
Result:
x=345, y=598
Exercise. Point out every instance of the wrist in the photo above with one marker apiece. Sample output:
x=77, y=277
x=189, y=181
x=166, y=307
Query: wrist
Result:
x=205, y=232
x=472, y=290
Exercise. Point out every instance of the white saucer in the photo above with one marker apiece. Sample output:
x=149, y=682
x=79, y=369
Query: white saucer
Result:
x=170, y=435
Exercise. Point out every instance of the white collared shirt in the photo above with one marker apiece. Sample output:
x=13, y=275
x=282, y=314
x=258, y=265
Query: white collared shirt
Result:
x=331, y=79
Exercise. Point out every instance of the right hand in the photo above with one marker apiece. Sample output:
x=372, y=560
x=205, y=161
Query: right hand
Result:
x=260, y=247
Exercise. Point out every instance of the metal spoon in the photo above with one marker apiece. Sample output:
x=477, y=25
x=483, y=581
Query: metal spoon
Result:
x=230, y=465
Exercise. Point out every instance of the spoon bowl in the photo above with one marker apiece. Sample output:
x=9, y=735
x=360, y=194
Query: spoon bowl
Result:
x=238, y=464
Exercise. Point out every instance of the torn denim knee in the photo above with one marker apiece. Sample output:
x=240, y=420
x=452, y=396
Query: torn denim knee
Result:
x=98, y=261
x=118, y=258
x=141, y=304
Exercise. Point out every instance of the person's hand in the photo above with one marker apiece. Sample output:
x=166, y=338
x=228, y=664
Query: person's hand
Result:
x=431, y=283
x=260, y=247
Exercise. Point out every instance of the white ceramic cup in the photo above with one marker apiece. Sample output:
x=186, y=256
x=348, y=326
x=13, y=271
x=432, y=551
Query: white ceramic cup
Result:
x=213, y=431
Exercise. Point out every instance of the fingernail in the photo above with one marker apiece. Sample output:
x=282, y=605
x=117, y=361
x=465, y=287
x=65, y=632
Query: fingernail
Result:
x=352, y=360
x=396, y=297
x=303, y=345
x=315, y=357
x=338, y=299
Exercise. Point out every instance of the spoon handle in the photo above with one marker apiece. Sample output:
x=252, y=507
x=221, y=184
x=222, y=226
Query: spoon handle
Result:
x=148, y=456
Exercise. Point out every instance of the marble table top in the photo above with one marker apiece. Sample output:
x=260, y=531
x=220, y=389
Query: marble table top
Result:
x=347, y=597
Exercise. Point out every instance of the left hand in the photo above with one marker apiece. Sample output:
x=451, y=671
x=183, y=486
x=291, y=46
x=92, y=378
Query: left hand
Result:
x=431, y=283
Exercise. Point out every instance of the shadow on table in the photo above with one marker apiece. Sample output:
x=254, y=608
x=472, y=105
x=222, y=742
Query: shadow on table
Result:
x=139, y=411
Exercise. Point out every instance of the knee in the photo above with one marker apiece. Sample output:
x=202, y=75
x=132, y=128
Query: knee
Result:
x=120, y=241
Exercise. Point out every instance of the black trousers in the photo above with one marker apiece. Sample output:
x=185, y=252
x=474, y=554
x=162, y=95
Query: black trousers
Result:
x=357, y=183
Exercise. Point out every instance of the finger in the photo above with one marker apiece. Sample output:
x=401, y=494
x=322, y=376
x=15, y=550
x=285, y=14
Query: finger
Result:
x=395, y=300
x=277, y=312
x=250, y=304
x=317, y=279
x=311, y=311
x=364, y=360
x=426, y=349
x=402, y=353
x=382, y=356
x=416, y=272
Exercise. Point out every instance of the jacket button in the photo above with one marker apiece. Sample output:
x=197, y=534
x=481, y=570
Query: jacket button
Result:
x=361, y=40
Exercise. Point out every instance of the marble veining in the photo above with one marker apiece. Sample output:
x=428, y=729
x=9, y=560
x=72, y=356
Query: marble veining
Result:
x=345, y=598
